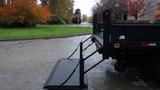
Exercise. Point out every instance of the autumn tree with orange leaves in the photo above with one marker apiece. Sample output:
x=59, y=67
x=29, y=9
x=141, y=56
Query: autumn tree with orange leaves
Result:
x=157, y=16
x=121, y=9
x=138, y=8
x=20, y=13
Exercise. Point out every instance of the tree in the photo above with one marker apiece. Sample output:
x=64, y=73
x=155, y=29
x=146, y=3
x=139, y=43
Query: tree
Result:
x=123, y=5
x=90, y=19
x=44, y=2
x=121, y=9
x=118, y=7
x=157, y=16
x=98, y=10
x=138, y=8
x=77, y=16
x=16, y=14
x=115, y=7
x=84, y=18
x=2, y=2
x=61, y=8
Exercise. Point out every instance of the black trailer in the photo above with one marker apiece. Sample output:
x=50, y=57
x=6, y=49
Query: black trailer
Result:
x=132, y=45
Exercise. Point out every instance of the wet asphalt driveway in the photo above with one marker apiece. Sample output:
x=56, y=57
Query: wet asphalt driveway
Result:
x=25, y=65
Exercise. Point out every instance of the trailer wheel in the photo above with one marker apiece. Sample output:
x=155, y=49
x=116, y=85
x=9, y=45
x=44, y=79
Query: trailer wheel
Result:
x=120, y=67
x=157, y=73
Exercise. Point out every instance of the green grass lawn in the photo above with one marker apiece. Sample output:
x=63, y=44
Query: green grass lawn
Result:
x=42, y=32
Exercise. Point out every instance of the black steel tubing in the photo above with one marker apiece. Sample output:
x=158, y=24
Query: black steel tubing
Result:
x=81, y=69
x=91, y=55
x=94, y=23
x=106, y=33
x=86, y=39
x=93, y=66
x=87, y=46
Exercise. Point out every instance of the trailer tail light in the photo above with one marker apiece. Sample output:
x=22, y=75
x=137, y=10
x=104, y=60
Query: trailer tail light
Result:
x=117, y=45
x=145, y=44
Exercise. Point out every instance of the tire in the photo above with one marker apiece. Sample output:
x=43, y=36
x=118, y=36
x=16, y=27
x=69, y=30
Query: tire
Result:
x=120, y=67
x=156, y=75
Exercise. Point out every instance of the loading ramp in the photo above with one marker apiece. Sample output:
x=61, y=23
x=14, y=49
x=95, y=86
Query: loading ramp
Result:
x=69, y=73
x=61, y=72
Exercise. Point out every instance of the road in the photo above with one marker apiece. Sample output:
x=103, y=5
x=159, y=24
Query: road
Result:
x=83, y=24
x=25, y=65
x=86, y=24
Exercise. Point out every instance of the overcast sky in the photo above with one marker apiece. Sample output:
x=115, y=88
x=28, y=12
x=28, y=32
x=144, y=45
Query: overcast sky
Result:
x=85, y=6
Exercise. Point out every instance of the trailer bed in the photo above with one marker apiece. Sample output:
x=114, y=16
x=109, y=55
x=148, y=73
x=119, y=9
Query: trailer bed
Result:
x=98, y=39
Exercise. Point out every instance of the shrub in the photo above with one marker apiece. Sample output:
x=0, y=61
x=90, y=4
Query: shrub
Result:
x=156, y=22
x=135, y=22
x=139, y=21
x=22, y=13
x=56, y=20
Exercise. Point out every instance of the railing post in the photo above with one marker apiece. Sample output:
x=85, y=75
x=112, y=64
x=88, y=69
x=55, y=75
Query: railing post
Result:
x=106, y=32
x=81, y=68
x=94, y=22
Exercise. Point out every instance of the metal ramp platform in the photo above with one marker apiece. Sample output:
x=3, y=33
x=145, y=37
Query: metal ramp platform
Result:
x=68, y=73
x=61, y=72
